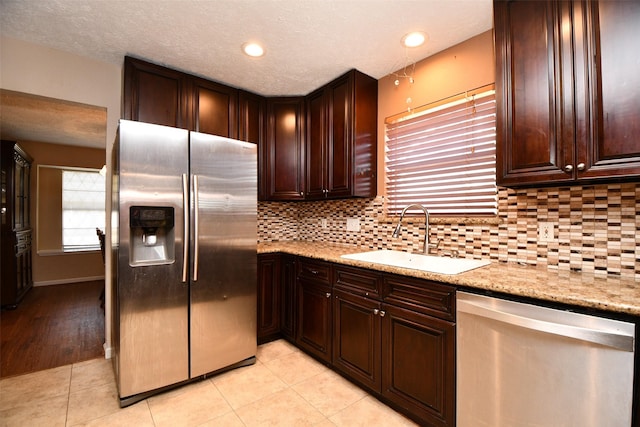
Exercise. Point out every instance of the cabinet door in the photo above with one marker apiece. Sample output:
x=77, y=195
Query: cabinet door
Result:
x=214, y=108
x=268, y=296
x=155, y=94
x=533, y=90
x=288, y=301
x=316, y=146
x=418, y=364
x=251, y=128
x=314, y=318
x=284, y=159
x=356, y=338
x=610, y=146
x=340, y=137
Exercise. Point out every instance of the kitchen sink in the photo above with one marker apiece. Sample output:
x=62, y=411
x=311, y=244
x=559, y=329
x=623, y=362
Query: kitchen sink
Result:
x=430, y=263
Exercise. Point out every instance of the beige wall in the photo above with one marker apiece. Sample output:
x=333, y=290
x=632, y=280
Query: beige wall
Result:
x=35, y=69
x=59, y=268
x=463, y=67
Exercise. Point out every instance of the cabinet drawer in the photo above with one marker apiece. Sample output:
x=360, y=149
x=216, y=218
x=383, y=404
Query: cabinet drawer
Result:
x=316, y=271
x=423, y=296
x=358, y=281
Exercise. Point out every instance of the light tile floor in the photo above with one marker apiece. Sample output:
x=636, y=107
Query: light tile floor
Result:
x=284, y=388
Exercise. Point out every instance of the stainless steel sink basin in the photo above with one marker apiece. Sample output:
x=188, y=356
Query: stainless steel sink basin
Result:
x=433, y=264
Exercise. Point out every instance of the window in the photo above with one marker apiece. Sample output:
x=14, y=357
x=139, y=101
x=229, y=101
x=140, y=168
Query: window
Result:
x=444, y=157
x=83, y=198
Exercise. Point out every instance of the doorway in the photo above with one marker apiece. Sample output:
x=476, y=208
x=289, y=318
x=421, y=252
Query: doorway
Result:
x=62, y=323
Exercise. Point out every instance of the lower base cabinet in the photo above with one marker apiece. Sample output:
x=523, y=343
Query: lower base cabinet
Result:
x=418, y=364
x=357, y=339
x=397, y=343
x=313, y=318
x=407, y=357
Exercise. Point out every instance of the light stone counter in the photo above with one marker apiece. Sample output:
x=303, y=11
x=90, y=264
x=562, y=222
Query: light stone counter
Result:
x=609, y=293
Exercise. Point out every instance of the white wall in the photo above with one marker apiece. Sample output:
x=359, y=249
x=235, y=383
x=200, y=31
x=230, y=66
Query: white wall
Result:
x=38, y=70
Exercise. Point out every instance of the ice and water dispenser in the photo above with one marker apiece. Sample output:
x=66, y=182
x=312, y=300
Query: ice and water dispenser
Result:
x=152, y=235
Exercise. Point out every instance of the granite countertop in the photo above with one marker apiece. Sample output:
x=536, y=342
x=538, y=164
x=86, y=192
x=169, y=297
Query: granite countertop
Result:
x=608, y=293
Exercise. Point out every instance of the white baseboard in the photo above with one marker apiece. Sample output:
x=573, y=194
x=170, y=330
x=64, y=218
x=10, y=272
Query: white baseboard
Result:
x=108, y=351
x=65, y=281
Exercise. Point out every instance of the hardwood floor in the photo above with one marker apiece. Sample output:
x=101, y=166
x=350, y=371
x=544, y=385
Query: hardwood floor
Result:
x=53, y=326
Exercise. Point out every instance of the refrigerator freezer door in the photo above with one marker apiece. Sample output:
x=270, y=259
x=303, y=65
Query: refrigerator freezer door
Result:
x=151, y=300
x=224, y=275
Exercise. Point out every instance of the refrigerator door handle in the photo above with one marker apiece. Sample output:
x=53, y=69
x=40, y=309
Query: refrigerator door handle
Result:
x=185, y=239
x=196, y=231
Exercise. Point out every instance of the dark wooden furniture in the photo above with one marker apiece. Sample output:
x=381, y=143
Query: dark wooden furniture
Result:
x=322, y=146
x=252, y=127
x=156, y=94
x=288, y=296
x=392, y=335
x=15, y=227
x=268, y=297
x=283, y=168
x=313, y=317
x=341, y=130
x=418, y=348
x=568, y=91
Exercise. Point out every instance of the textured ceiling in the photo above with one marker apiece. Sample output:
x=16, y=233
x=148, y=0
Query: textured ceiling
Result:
x=308, y=42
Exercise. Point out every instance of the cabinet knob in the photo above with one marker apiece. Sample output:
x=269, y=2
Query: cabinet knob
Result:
x=328, y=294
x=382, y=313
x=376, y=311
x=580, y=166
x=568, y=168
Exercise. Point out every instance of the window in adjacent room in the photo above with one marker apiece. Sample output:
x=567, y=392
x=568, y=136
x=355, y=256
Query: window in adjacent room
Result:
x=83, y=209
x=444, y=157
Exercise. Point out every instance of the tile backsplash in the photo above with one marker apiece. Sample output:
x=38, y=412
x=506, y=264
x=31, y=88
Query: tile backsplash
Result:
x=596, y=228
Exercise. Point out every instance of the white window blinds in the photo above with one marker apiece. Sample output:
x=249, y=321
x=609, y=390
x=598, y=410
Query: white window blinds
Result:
x=444, y=158
x=83, y=199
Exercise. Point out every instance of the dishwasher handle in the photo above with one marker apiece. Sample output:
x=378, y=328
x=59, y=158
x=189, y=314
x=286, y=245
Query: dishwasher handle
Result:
x=613, y=339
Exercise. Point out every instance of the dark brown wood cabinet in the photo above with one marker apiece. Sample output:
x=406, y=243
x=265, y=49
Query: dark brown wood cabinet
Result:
x=357, y=326
x=252, y=110
x=568, y=91
x=313, y=317
x=269, y=287
x=156, y=94
x=288, y=297
x=418, y=364
x=341, y=138
x=214, y=108
x=15, y=227
x=395, y=336
x=283, y=162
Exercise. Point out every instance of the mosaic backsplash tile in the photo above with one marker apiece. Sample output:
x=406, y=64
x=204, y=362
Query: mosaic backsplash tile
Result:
x=596, y=228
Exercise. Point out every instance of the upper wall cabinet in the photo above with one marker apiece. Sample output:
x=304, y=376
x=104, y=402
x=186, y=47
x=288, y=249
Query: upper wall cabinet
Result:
x=341, y=138
x=252, y=128
x=568, y=91
x=155, y=94
x=282, y=162
x=213, y=108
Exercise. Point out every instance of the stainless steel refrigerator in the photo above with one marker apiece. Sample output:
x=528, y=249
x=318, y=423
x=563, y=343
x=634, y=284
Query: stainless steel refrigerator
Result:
x=185, y=263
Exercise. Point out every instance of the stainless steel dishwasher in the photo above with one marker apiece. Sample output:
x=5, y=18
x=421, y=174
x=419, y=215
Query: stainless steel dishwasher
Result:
x=524, y=365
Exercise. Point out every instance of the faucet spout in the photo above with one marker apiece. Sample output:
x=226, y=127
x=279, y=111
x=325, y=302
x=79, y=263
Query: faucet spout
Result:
x=398, y=228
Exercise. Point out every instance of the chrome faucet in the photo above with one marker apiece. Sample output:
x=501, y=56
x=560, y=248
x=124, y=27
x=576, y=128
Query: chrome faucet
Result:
x=396, y=232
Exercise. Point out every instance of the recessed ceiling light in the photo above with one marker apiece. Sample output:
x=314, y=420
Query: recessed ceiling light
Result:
x=253, y=49
x=415, y=39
